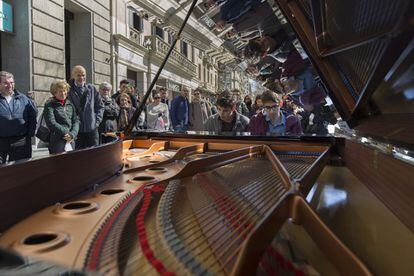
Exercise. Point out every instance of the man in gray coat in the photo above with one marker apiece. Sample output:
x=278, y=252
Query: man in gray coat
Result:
x=89, y=107
x=227, y=119
x=199, y=111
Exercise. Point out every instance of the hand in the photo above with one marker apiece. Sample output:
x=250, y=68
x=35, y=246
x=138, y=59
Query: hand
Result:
x=67, y=137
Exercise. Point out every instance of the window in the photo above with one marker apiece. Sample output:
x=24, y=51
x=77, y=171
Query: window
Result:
x=184, y=48
x=199, y=71
x=135, y=21
x=132, y=76
x=159, y=32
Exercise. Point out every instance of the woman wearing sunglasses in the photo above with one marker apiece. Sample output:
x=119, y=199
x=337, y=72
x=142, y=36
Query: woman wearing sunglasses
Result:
x=272, y=120
x=158, y=117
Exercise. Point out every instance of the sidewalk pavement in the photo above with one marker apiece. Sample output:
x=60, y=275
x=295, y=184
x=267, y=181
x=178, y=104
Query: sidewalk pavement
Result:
x=39, y=152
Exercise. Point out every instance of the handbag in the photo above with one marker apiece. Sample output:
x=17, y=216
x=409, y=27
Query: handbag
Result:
x=43, y=132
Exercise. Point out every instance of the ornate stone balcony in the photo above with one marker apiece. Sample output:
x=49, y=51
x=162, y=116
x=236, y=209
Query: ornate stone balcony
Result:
x=136, y=36
x=160, y=48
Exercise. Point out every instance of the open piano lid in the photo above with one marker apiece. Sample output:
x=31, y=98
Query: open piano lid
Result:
x=364, y=52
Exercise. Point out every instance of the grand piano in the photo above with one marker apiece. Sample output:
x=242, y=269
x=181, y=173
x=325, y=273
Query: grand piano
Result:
x=171, y=203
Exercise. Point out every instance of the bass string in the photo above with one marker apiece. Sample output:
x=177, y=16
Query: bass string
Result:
x=246, y=185
x=265, y=205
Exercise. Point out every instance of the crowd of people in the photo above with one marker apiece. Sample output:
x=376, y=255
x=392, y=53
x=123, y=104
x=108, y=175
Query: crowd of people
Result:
x=77, y=114
x=274, y=57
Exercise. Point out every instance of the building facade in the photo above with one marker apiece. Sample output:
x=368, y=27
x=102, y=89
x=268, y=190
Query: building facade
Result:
x=143, y=33
x=113, y=40
x=51, y=36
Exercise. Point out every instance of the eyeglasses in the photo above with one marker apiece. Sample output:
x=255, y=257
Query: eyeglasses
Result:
x=196, y=94
x=157, y=98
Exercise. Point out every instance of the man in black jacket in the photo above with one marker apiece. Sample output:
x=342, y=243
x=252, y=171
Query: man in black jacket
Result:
x=17, y=121
x=111, y=111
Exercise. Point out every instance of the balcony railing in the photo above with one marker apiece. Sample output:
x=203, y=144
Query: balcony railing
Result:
x=136, y=36
x=160, y=48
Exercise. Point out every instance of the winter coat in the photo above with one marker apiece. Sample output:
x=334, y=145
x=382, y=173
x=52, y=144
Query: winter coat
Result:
x=180, y=111
x=110, y=116
x=125, y=115
x=61, y=120
x=257, y=22
x=17, y=118
x=199, y=113
x=232, y=10
x=214, y=123
x=154, y=111
x=89, y=107
x=241, y=108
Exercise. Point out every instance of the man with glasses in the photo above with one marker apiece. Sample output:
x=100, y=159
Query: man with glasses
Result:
x=227, y=119
x=272, y=120
x=111, y=110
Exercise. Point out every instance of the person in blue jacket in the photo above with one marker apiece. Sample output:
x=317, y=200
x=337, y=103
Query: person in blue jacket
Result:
x=17, y=121
x=180, y=111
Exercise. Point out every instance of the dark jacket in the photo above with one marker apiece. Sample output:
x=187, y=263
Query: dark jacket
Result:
x=110, y=116
x=259, y=126
x=180, y=111
x=125, y=115
x=17, y=118
x=89, y=107
x=259, y=21
x=293, y=65
x=61, y=120
x=253, y=111
x=234, y=9
x=313, y=96
x=214, y=123
x=241, y=108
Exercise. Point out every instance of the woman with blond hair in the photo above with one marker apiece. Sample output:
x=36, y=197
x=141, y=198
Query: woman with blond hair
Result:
x=61, y=119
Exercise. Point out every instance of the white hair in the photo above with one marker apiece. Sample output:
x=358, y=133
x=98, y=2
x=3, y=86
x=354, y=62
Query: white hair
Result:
x=106, y=85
